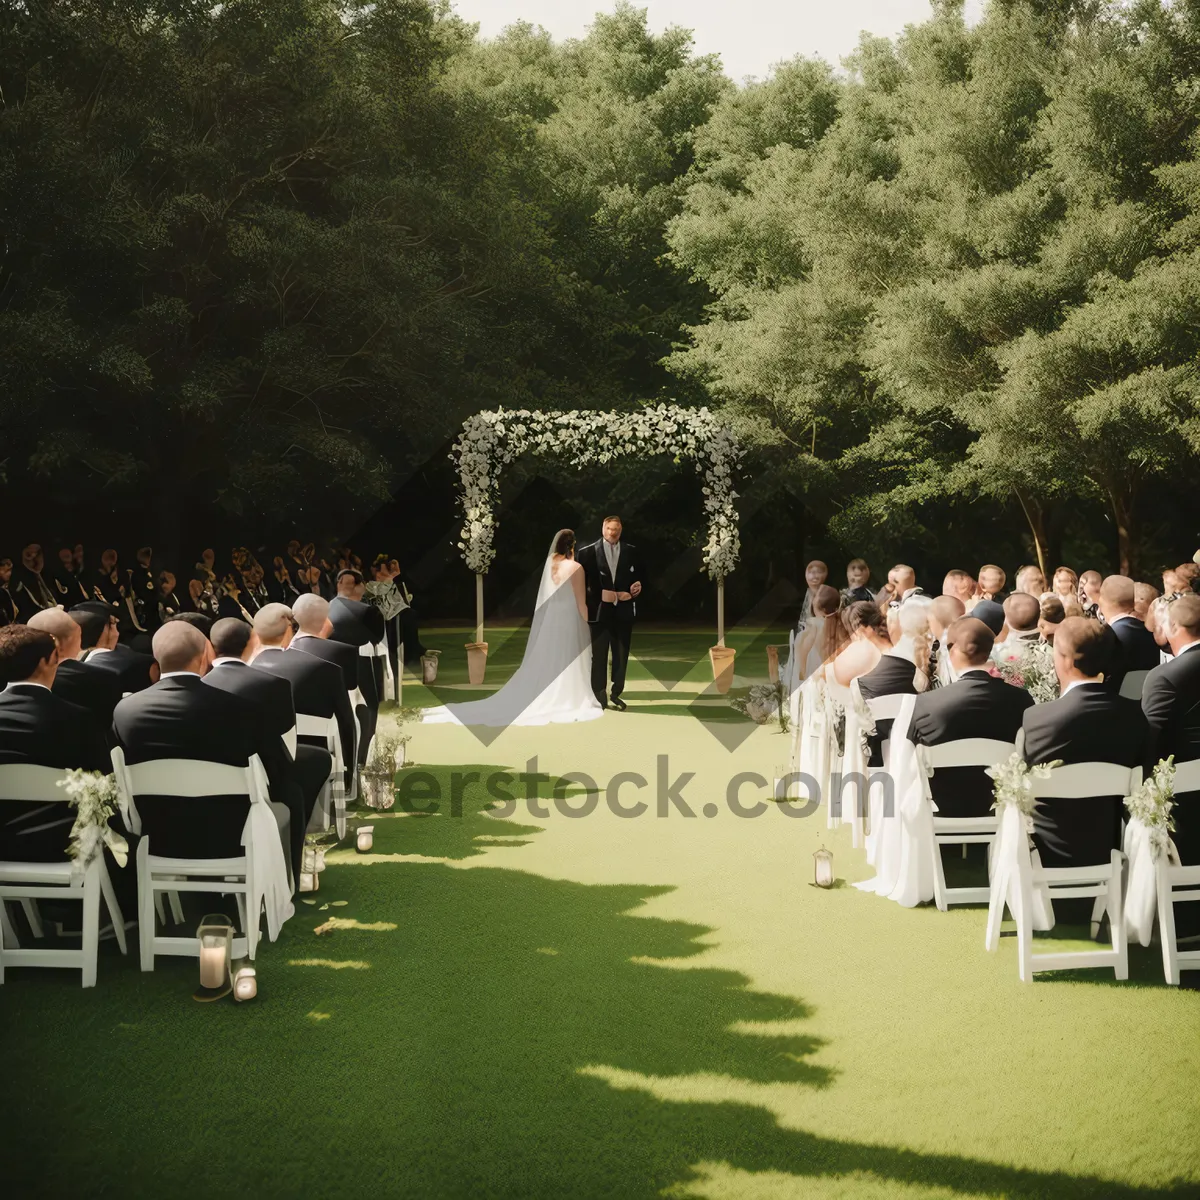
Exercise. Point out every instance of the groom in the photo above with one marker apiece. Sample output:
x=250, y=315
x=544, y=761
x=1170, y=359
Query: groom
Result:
x=612, y=583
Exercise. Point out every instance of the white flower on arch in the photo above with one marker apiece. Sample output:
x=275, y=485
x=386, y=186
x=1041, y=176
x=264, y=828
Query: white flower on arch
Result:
x=492, y=440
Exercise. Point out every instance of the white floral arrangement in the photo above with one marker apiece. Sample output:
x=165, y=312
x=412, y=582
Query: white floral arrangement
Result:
x=1033, y=670
x=763, y=704
x=1014, y=779
x=1152, y=804
x=492, y=440
x=95, y=799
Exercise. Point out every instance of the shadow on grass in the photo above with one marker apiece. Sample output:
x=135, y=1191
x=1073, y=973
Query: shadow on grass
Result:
x=457, y=1058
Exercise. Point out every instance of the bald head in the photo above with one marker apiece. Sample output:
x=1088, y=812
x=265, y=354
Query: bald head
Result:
x=179, y=646
x=311, y=612
x=970, y=642
x=273, y=624
x=1021, y=611
x=1116, y=596
x=65, y=632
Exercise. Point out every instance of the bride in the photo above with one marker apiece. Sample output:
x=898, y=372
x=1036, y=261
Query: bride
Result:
x=553, y=684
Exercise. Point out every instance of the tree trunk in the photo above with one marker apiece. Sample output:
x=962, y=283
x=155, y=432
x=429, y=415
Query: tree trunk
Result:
x=1035, y=516
x=1122, y=501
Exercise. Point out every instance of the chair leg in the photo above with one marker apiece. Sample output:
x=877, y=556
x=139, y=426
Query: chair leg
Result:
x=1098, y=909
x=1024, y=919
x=252, y=909
x=1116, y=917
x=8, y=935
x=33, y=917
x=148, y=901
x=176, y=907
x=964, y=848
x=91, y=923
x=939, y=877
x=114, y=909
x=1166, y=926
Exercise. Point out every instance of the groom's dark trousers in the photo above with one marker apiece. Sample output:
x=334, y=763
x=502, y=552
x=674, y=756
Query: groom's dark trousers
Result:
x=610, y=635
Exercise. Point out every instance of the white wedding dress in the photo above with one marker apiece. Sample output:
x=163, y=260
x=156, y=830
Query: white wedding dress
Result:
x=553, y=684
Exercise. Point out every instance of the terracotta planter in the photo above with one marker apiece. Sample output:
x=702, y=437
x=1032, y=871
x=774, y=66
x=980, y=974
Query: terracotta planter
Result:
x=773, y=663
x=721, y=658
x=429, y=665
x=476, y=661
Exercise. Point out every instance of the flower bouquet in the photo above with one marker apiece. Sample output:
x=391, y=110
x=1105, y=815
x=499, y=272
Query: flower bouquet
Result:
x=94, y=798
x=1033, y=670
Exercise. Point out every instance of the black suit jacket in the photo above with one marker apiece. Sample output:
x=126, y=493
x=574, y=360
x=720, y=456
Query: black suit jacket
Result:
x=976, y=706
x=89, y=687
x=343, y=656
x=1089, y=724
x=318, y=690
x=891, y=676
x=597, y=578
x=359, y=624
x=180, y=717
x=1136, y=651
x=42, y=729
x=131, y=668
x=1171, y=702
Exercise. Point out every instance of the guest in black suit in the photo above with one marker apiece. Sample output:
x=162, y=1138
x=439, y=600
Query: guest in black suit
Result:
x=101, y=649
x=892, y=675
x=990, y=613
x=42, y=729
x=10, y=613
x=180, y=717
x=77, y=683
x=69, y=583
x=359, y=624
x=1171, y=702
x=234, y=644
x=975, y=705
x=318, y=689
x=612, y=582
x=1089, y=722
x=29, y=588
x=315, y=637
x=1136, y=648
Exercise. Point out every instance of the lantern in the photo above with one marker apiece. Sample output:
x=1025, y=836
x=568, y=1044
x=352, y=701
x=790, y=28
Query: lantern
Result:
x=429, y=666
x=378, y=787
x=215, y=935
x=245, y=981
x=823, y=868
x=365, y=839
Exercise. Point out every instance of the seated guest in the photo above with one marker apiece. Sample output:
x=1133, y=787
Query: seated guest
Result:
x=39, y=728
x=945, y=611
x=1052, y=615
x=1089, y=595
x=166, y=601
x=1065, y=585
x=1144, y=595
x=1088, y=723
x=866, y=628
x=29, y=588
x=103, y=651
x=815, y=575
x=359, y=624
x=904, y=584
x=858, y=576
x=315, y=636
x=318, y=688
x=901, y=669
x=179, y=717
x=960, y=585
x=990, y=613
x=1171, y=702
x=975, y=705
x=1189, y=574
x=196, y=620
x=77, y=683
x=824, y=634
x=1136, y=648
x=1021, y=613
x=1031, y=581
x=9, y=612
x=234, y=643
x=69, y=583
x=991, y=583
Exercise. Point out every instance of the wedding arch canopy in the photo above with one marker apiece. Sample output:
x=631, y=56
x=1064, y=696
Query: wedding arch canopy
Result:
x=490, y=441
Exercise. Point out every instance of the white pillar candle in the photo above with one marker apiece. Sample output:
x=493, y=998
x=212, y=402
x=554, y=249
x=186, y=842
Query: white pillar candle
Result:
x=245, y=984
x=366, y=838
x=212, y=966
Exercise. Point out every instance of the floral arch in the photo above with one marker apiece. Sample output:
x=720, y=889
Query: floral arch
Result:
x=491, y=441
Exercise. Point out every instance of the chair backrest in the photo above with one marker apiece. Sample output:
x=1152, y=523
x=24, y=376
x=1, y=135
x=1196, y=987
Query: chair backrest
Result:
x=310, y=726
x=23, y=781
x=1132, y=684
x=1187, y=776
x=886, y=708
x=188, y=777
x=1083, y=780
x=289, y=740
x=968, y=752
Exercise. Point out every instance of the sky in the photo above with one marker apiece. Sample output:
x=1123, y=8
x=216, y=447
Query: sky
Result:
x=749, y=35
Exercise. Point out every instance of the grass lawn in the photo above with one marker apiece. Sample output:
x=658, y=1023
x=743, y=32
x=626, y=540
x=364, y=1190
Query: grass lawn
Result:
x=557, y=1006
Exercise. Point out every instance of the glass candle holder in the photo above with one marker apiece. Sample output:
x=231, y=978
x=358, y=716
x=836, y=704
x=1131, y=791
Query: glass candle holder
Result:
x=823, y=868
x=215, y=935
x=245, y=981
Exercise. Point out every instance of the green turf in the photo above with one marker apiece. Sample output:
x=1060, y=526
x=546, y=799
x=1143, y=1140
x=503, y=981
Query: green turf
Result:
x=604, y=1007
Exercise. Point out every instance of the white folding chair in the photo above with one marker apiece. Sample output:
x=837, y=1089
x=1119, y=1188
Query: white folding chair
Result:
x=29, y=882
x=333, y=795
x=1132, y=684
x=1104, y=880
x=963, y=831
x=190, y=778
x=1177, y=885
x=881, y=708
